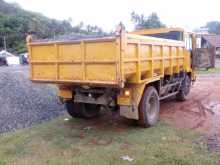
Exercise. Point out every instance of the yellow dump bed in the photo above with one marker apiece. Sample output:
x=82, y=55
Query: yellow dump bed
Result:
x=110, y=61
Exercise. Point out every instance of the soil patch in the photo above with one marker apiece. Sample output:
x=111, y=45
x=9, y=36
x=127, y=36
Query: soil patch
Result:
x=212, y=142
x=201, y=111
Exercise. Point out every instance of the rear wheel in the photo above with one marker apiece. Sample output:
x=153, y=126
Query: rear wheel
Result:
x=82, y=110
x=89, y=111
x=184, y=89
x=149, y=108
x=73, y=109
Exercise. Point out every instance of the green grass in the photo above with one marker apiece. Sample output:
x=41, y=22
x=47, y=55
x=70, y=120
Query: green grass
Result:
x=209, y=71
x=68, y=142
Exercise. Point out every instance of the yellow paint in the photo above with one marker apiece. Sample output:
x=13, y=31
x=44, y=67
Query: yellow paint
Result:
x=66, y=72
x=116, y=61
x=105, y=51
x=43, y=53
x=101, y=72
x=123, y=99
x=69, y=52
x=44, y=71
x=65, y=93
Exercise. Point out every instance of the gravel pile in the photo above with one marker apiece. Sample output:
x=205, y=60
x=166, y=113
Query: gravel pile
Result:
x=75, y=36
x=23, y=103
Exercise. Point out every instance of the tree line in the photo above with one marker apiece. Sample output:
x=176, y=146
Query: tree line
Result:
x=16, y=22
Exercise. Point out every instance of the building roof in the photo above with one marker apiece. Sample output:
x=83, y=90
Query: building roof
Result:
x=5, y=53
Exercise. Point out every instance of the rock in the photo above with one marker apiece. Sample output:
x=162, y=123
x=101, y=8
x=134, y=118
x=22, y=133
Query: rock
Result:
x=23, y=103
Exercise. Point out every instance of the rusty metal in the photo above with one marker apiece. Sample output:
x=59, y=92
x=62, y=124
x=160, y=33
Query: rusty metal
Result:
x=205, y=58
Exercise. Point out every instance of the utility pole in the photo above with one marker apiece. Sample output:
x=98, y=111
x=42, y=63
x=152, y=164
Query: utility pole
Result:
x=5, y=46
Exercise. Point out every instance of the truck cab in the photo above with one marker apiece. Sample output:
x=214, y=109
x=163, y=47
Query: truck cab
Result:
x=201, y=46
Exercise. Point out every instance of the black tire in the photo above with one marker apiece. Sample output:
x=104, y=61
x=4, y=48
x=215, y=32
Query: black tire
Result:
x=149, y=108
x=184, y=89
x=73, y=109
x=3, y=63
x=90, y=111
x=82, y=110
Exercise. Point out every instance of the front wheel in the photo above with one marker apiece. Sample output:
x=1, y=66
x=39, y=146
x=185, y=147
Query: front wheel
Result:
x=149, y=108
x=184, y=89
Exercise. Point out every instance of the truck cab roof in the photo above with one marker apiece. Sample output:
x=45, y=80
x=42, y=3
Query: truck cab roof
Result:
x=165, y=33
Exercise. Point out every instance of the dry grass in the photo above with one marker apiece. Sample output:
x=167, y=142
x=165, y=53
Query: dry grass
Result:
x=82, y=142
x=209, y=71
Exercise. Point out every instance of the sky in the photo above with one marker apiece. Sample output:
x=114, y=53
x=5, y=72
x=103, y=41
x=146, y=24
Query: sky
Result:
x=188, y=14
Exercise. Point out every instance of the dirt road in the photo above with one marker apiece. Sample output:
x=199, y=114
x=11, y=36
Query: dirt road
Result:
x=201, y=111
x=217, y=62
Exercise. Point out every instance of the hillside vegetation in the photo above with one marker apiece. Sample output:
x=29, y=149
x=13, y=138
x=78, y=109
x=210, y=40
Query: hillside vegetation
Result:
x=16, y=22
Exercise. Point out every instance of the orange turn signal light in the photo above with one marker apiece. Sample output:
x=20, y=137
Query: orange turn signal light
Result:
x=127, y=93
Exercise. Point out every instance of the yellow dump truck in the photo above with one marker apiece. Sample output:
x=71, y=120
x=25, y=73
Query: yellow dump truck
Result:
x=128, y=72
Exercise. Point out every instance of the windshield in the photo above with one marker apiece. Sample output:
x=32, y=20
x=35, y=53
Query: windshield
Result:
x=173, y=35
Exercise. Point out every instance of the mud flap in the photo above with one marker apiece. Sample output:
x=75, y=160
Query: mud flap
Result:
x=129, y=112
x=129, y=109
